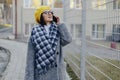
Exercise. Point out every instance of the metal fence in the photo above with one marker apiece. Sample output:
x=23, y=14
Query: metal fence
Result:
x=94, y=53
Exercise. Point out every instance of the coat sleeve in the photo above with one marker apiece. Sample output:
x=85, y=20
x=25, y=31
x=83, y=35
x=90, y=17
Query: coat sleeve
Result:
x=65, y=37
x=29, y=74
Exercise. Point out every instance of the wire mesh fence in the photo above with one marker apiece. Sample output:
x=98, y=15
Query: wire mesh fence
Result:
x=100, y=47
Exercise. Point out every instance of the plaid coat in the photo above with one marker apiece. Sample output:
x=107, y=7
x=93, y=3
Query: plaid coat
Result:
x=56, y=73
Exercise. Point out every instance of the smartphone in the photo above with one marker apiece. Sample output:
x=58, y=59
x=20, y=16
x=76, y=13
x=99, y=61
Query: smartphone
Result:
x=54, y=19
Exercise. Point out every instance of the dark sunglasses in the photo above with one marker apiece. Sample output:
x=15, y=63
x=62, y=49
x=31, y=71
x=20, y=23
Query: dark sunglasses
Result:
x=48, y=12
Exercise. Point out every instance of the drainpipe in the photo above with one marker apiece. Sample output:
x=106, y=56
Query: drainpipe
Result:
x=15, y=19
x=42, y=2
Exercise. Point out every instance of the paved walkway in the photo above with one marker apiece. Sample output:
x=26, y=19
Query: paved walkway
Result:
x=5, y=32
x=16, y=66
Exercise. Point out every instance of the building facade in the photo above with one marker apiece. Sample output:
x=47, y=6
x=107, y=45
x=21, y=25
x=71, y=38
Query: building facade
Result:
x=102, y=16
x=23, y=17
x=5, y=12
x=102, y=19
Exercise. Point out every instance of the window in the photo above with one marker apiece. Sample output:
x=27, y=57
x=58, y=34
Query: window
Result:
x=78, y=4
x=116, y=32
x=75, y=4
x=58, y=4
x=55, y=3
x=72, y=3
x=116, y=4
x=93, y=31
x=98, y=31
x=27, y=28
x=72, y=29
x=38, y=3
x=32, y=3
x=99, y=4
x=1, y=13
x=27, y=3
x=49, y=3
x=78, y=30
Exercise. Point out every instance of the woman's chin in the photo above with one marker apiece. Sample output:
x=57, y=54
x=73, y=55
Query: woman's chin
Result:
x=50, y=20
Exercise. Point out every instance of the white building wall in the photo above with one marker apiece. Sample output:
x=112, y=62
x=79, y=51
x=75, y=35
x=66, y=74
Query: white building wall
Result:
x=26, y=16
x=72, y=16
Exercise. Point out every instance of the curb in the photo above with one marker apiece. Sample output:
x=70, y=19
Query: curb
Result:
x=9, y=56
x=4, y=29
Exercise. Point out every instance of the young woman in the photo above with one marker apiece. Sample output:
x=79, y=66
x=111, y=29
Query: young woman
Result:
x=44, y=57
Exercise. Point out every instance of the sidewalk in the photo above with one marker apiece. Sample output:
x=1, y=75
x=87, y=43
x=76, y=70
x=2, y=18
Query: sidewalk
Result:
x=16, y=67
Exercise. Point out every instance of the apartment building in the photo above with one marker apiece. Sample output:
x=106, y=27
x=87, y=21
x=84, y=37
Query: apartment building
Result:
x=102, y=19
x=101, y=16
x=23, y=17
x=5, y=12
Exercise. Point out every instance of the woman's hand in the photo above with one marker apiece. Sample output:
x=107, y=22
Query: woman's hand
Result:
x=58, y=20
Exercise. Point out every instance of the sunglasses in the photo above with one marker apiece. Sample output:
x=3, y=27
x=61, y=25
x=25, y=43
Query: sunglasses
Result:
x=48, y=12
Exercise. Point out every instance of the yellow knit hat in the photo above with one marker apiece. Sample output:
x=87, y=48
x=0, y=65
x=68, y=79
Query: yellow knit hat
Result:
x=39, y=11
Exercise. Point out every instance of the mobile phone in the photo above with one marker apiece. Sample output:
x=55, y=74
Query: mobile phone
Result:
x=54, y=19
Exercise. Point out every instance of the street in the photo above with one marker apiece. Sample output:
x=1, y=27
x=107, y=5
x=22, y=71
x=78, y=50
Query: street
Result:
x=5, y=32
x=16, y=67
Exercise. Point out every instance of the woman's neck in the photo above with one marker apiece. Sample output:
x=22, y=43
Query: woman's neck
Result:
x=48, y=23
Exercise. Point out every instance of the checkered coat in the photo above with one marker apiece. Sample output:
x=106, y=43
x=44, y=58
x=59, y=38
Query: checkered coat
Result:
x=55, y=73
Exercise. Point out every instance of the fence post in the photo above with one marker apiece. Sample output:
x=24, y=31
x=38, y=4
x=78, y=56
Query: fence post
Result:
x=82, y=75
x=64, y=13
x=22, y=30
